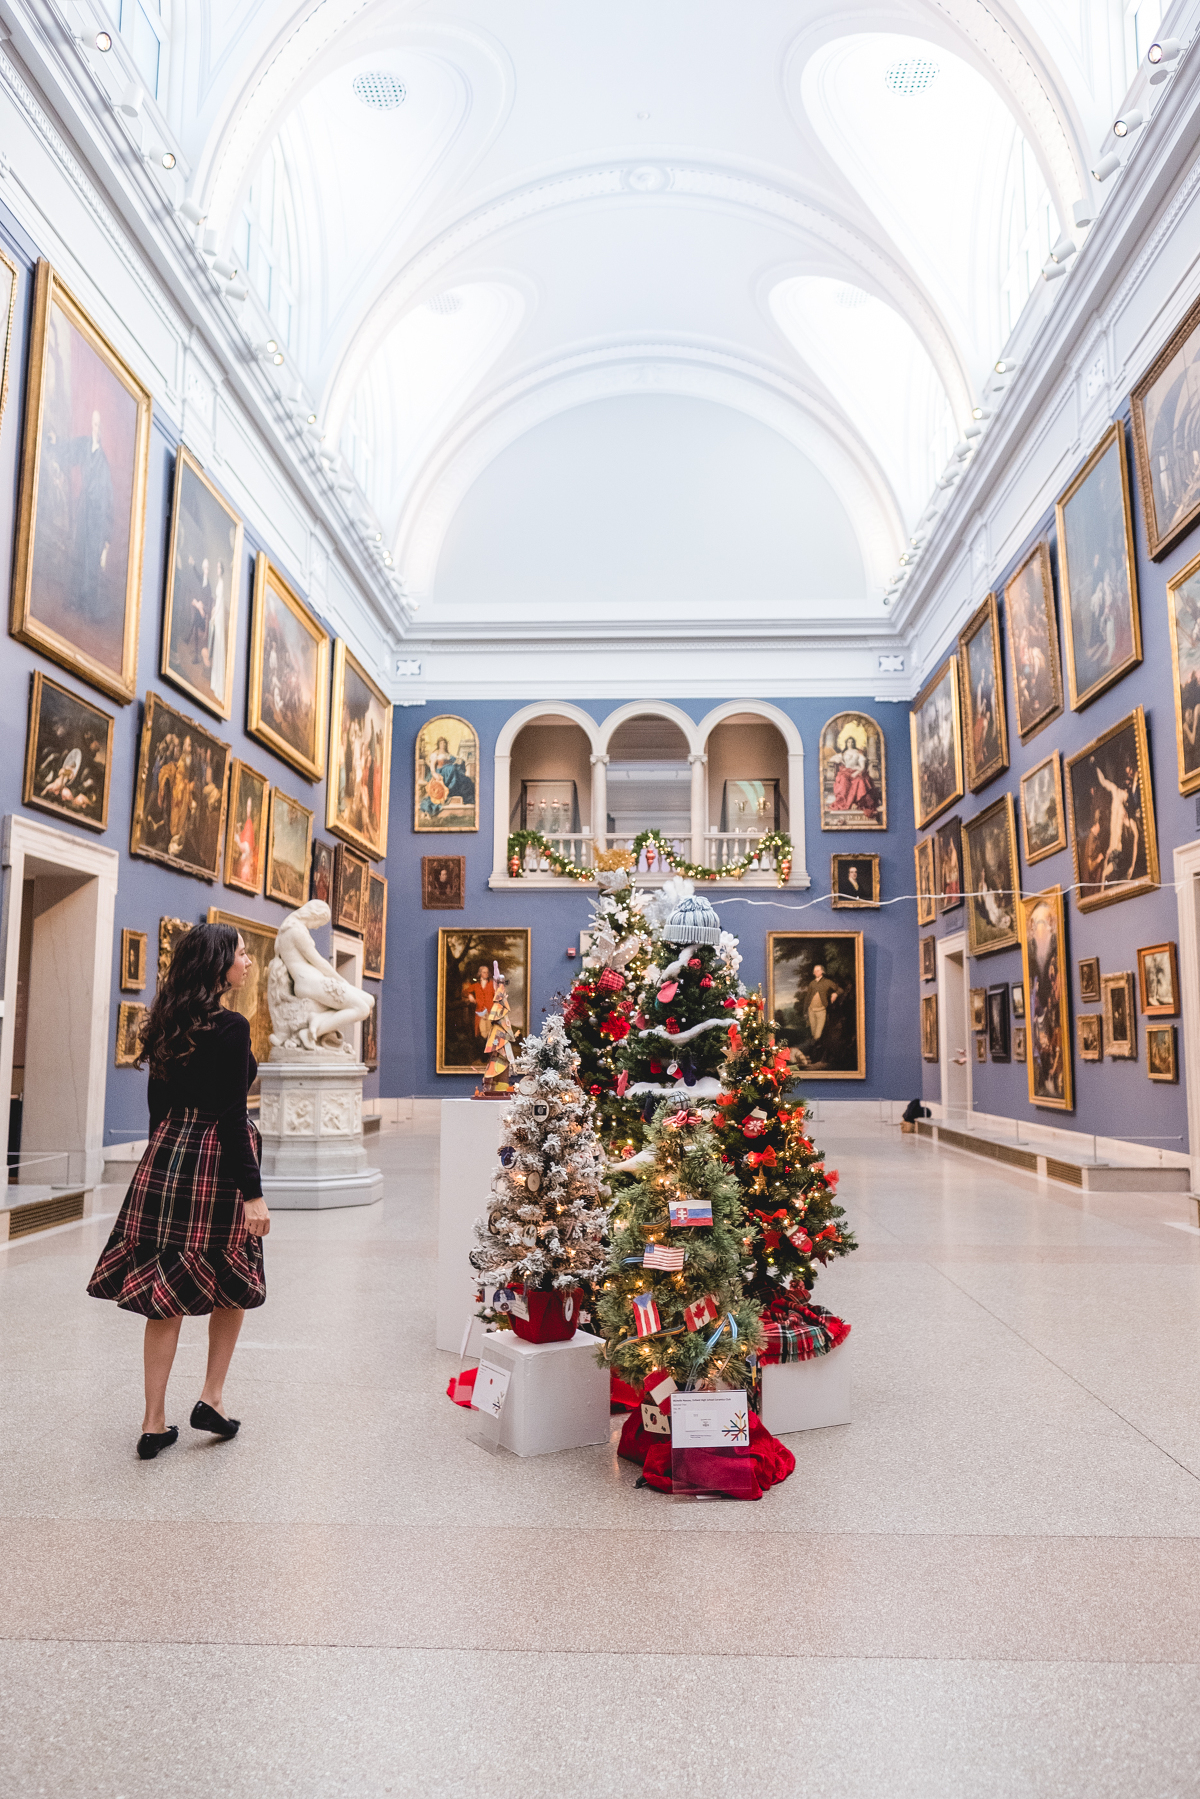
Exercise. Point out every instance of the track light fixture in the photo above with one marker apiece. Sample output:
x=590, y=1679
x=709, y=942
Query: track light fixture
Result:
x=130, y=103
x=237, y=290
x=103, y=42
x=311, y=418
x=973, y=431
x=1164, y=50
x=1004, y=367
x=1054, y=271
x=1063, y=249
x=227, y=271
x=1128, y=122
x=1107, y=165
x=270, y=351
x=1083, y=213
x=982, y=412
x=188, y=210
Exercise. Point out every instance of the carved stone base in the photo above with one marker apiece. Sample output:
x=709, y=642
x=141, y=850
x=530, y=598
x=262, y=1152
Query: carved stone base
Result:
x=311, y=1122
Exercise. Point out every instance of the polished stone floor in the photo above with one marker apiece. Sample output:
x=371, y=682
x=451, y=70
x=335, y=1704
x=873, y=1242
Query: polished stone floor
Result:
x=988, y=1584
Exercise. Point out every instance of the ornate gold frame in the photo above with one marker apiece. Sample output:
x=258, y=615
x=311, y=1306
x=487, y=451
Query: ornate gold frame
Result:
x=49, y=291
x=1114, y=435
x=929, y=1027
x=521, y=1028
x=1119, y=1049
x=1003, y=804
x=1159, y=542
x=341, y=656
x=340, y=857
x=840, y=904
x=838, y=1074
x=130, y=939
x=185, y=460
x=251, y=928
x=237, y=768
x=267, y=575
x=136, y=848
x=127, y=1020
x=1152, y=949
x=987, y=615
x=1040, y=553
x=276, y=798
x=1187, y=783
x=927, y=818
x=427, y=827
x=1153, y=1030
x=926, y=894
x=1091, y=1042
x=369, y=973
x=1060, y=842
x=1052, y=897
x=167, y=929
x=6, y=327
x=1149, y=881
x=827, y=823
x=41, y=680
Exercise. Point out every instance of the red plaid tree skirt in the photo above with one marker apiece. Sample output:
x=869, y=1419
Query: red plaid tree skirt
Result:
x=797, y=1332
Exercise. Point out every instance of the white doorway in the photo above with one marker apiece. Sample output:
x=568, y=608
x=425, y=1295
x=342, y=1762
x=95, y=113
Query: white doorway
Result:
x=954, y=1029
x=346, y=954
x=1187, y=899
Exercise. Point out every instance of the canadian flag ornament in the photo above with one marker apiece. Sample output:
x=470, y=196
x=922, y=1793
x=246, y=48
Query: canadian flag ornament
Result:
x=645, y=1315
x=703, y=1312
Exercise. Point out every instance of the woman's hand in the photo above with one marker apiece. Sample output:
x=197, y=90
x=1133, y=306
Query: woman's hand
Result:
x=258, y=1219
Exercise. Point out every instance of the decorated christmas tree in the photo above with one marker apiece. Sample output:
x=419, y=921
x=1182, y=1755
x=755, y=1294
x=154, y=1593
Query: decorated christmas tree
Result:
x=601, y=1002
x=787, y=1192
x=498, y=1047
x=685, y=1009
x=545, y=1226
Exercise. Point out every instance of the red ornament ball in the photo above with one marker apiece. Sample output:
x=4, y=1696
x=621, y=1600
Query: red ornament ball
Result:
x=672, y=1026
x=707, y=981
x=695, y=962
x=595, y=1089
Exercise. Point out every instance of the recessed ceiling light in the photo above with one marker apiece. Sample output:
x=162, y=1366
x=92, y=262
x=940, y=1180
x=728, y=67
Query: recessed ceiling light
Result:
x=103, y=42
x=168, y=159
x=912, y=76
x=378, y=89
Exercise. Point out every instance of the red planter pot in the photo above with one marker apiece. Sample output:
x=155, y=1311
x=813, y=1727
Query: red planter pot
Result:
x=553, y=1316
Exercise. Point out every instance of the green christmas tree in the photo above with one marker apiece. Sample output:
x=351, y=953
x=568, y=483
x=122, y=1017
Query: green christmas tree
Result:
x=598, y=1009
x=677, y=1044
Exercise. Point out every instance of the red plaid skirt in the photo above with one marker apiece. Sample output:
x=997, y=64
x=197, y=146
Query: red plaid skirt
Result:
x=180, y=1245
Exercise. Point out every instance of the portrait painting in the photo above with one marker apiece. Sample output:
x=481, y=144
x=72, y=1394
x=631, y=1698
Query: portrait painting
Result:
x=993, y=880
x=320, y=886
x=923, y=855
x=1043, y=954
x=1183, y=619
x=1166, y=437
x=246, y=836
x=929, y=958
x=8, y=313
x=1089, y=980
x=854, y=880
x=171, y=932
x=375, y=934
x=180, y=792
x=287, y=687
x=950, y=865
x=369, y=1049
x=816, y=996
x=985, y=728
x=1158, y=980
x=1090, y=1029
x=130, y=1015
x=360, y=766
x=447, y=776
x=1043, y=820
x=1018, y=1043
x=204, y=571
x=68, y=754
x=77, y=577
x=1033, y=643
x=1120, y=1017
x=979, y=1008
x=289, y=846
x=998, y=1040
x=1111, y=808
x=929, y=1028
x=1161, y=1053
x=853, y=774
x=251, y=998
x=349, y=890
x=133, y=961
x=981, y=1049
x=1018, y=1000
x=1096, y=568
x=936, y=731
x=443, y=883
x=468, y=963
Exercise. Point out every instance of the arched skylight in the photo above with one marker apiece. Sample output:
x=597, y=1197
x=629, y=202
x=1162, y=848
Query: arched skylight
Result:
x=872, y=362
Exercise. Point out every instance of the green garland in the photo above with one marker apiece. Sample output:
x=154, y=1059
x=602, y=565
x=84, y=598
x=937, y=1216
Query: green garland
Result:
x=776, y=843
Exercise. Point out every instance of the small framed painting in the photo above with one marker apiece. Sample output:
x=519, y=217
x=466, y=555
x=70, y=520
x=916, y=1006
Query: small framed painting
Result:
x=1120, y=1017
x=133, y=961
x=979, y=1008
x=815, y=994
x=445, y=796
x=204, y=573
x=929, y=1028
x=467, y=962
x=1089, y=980
x=1183, y=618
x=981, y=1049
x=1043, y=953
x=1166, y=419
x=1018, y=1043
x=287, y=686
x=853, y=774
x=926, y=882
x=985, y=731
x=250, y=998
x=171, y=932
x=320, y=885
x=130, y=1014
x=950, y=865
x=349, y=890
x=1111, y=806
x=68, y=754
x=993, y=881
x=935, y=728
x=1043, y=820
x=854, y=881
x=443, y=883
x=1158, y=980
x=929, y=958
x=1033, y=643
x=246, y=836
x=1090, y=1029
x=375, y=934
x=180, y=792
x=370, y=1038
x=1161, y=1054
x=289, y=848
x=360, y=767
x=1096, y=569
x=1018, y=1000
x=998, y=1033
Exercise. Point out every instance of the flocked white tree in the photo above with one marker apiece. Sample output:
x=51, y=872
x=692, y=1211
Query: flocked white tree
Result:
x=547, y=1217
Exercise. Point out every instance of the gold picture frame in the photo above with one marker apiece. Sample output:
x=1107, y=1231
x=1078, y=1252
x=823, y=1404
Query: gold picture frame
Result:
x=463, y=1000
x=852, y=756
x=130, y=1013
x=1048, y=1066
x=68, y=754
x=853, y=882
x=181, y=791
x=1162, y=1056
x=929, y=1027
x=446, y=775
x=250, y=999
x=993, y=877
x=1163, y=409
x=8, y=312
x=1083, y=515
x=1089, y=1027
x=948, y=864
x=289, y=849
x=929, y=958
x=1126, y=794
x=981, y=672
x=979, y=1008
x=935, y=731
x=1043, y=815
x=206, y=534
x=246, y=828
x=359, y=787
x=1120, y=1017
x=77, y=574
x=133, y=961
x=350, y=877
x=1018, y=1043
x=1183, y=620
x=1158, y=980
x=1089, y=980
x=926, y=867
x=1033, y=642
x=375, y=927
x=170, y=933
x=287, y=707
x=823, y=1023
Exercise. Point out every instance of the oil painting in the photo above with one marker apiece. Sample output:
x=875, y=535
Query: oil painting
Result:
x=949, y=862
x=171, y=932
x=1166, y=437
x=360, y=766
x=375, y=933
x=130, y=1015
x=1120, y=1017
x=443, y=883
x=133, y=961
x=1161, y=1053
x=68, y=754
x=447, y=776
x=1043, y=820
x=999, y=1048
x=1033, y=643
x=985, y=728
x=289, y=844
x=1096, y=568
x=936, y=730
x=320, y=885
x=993, y=879
x=287, y=690
x=467, y=964
x=853, y=774
x=929, y=1028
x=1183, y=619
x=349, y=890
x=179, y=797
x=1043, y=953
x=815, y=994
x=1090, y=1029
x=924, y=857
x=1111, y=808
x=1158, y=980
x=246, y=838
x=854, y=881
x=204, y=571
x=251, y=998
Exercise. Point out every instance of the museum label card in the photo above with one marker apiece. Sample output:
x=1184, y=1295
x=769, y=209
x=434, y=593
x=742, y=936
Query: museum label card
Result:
x=709, y=1421
x=491, y=1386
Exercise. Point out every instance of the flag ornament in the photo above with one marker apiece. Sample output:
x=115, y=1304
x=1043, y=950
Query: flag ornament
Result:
x=658, y=1256
x=703, y=1312
x=658, y=1386
x=690, y=1211
x=645, y=1315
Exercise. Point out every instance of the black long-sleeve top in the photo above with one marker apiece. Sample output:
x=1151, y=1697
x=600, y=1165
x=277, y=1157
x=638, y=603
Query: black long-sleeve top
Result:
x=216, y=1079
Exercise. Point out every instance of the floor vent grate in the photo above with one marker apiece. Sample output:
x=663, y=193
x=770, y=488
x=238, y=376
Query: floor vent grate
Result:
x=1070, y=1172
x=43, y=1214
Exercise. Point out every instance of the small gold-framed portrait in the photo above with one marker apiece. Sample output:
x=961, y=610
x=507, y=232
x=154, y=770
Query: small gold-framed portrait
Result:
x=999, y=1030
x=246, y=832
x=1018, y=1000
x=981, y=1049
x=68, y=754
x=985, y=728
x=949, y=864
x=854, y=881
x=1049, y=1068
x=929, y=958
x=349, y=889
x=1158, y=980
x=375, y=933
x=1120, y=1017
x=443, y=883
x=1161, y=1052
x=1043, y=819
x=929, y=1028
x=816, y=995
x=1018, y=1043
x=287, y=687
x=1090, y=1029
x=1089, y=980
x=935, y=728
x=979, y=1008
x=130, y=1014
x=853, y=774
x=993, y=877
x=133, y=961
x=926, y=881
x=446, y=789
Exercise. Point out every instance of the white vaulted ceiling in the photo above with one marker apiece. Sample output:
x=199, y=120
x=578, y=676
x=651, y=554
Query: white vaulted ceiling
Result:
x=658, y=309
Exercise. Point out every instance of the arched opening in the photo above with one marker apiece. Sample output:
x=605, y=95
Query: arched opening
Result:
x=550, y=788
x=747, y=786
x=649, y=786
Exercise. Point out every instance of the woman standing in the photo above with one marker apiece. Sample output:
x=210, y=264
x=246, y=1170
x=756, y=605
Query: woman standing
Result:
x=188, y=1237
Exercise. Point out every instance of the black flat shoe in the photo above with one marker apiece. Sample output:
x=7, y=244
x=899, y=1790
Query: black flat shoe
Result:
x=150, y=1442
x=206, y=1417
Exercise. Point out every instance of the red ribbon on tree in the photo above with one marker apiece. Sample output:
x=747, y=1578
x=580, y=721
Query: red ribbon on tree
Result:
x=767, y=1157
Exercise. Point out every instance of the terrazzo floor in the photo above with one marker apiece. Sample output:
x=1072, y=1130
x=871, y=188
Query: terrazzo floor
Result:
x=987, y=1585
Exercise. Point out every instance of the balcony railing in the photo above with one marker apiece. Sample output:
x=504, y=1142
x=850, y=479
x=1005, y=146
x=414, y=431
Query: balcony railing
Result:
x=724, y=847
x=721, y=850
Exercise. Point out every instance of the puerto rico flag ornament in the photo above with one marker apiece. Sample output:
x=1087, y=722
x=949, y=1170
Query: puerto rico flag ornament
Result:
x=703, y=1312
x=645, y=1315
x=690, y=1211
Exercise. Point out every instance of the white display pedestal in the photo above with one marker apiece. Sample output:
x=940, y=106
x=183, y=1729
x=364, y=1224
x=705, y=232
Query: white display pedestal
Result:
x=310, y=1116
x=557, y=1397
x=807, y=1395
x=470, y=1157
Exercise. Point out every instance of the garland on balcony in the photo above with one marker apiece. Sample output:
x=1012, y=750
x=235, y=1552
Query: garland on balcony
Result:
x=775, y=843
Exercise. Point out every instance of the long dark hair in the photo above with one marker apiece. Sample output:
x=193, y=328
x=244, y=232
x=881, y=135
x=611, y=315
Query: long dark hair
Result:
x=188, y=996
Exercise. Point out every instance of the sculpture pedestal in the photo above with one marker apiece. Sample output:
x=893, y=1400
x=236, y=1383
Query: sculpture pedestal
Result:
x=312, y=1140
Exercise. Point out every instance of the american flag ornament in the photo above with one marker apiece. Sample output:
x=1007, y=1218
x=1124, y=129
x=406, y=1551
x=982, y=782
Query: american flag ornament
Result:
x=645, y=1315
x=669, y=1260
x=703, y=1312
x=690, y=1211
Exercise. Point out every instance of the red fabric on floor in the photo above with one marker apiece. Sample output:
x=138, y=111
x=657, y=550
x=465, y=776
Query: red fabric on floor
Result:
x=746, y=1474
x=465, y=1386
x=621, y=1396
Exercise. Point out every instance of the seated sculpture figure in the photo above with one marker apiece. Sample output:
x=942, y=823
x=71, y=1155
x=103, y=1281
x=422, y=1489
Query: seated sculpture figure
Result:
x=313, y=1007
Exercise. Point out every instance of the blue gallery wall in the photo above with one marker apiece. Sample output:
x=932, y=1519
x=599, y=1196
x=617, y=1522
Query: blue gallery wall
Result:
x=147, y=891
x=1112, y=1098
x=556, y=916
